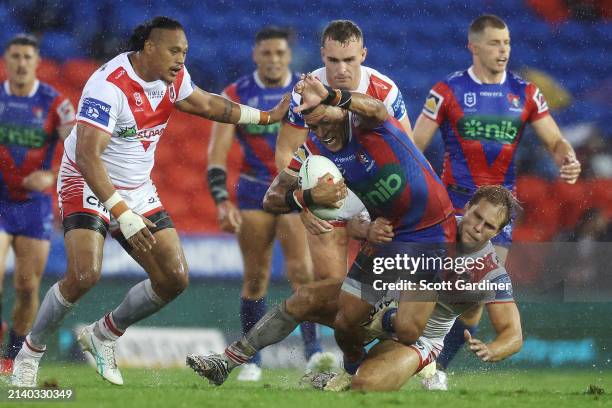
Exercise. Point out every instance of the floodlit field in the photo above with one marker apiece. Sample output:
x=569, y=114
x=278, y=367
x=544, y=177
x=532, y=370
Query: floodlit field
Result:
x=279, y=388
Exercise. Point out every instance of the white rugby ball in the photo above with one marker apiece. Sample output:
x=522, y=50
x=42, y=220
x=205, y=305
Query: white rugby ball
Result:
x=313, y=168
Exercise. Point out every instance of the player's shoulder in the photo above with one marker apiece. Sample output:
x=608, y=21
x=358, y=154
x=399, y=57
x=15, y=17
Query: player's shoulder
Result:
x=47, y=90
x=515, y=80
x=456, y=77
x=376, y=77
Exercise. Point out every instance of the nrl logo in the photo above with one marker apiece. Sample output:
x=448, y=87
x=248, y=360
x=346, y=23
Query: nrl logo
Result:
x=469, y=99
x=137, y=98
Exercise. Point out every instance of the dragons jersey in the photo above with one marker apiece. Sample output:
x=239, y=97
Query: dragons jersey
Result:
x=135, y=114
x=28, y=136
x=389, y=174
x=372, y=83
x=481, y=125
x=258, y=142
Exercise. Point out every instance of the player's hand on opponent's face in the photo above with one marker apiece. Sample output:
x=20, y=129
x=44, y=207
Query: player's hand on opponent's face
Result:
x=327, y=193
x=39, y=180
x=477, y=347
x=312, y=90
x=380, y=231
x=314, y=224
x=229, y=217
x=143, y=240
x=278, y=113
x=570, y=170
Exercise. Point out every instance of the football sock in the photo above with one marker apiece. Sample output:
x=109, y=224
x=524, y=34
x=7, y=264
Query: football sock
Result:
x=453, y=341
x=276, y=325
x=310, y=336
x=140, y=302
x=387, y=322
x=251, y=311
x=49, y=318
x=14, y=345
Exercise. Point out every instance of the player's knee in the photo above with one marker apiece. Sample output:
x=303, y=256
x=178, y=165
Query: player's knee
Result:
x=255, y=288
x=345, y=321
x=25, y=288
x=361, y=382
x=407, y=333
x=175, y=281
x=83, y=278
x=303, y=303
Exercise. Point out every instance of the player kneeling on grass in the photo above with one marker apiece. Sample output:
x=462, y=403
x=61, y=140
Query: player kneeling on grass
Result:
x=389, y=364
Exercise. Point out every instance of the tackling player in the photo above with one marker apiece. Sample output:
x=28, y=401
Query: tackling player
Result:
x=34, y=117
x=255, y=228
x=482, y=113
x=416, y=205
x=389, y=364
x=105, y=175
x=342, y=51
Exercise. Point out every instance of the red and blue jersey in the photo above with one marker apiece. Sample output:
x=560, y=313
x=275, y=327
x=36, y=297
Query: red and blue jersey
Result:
x=389, y=174
x=481, y=125
x=258, y=142
x=28, y=136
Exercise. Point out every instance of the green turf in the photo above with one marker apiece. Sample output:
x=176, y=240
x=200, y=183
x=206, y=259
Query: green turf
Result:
x=182, y=388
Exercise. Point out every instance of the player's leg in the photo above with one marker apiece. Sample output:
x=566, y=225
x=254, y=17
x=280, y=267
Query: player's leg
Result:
x=329, y=253
x=292, y=236
x=5, y=244
x=30, y=260
x=256, y=239
x=388, y=366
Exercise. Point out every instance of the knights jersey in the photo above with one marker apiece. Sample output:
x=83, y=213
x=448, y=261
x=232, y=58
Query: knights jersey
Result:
x=481, y=125
x=372, y=83
x=28, y=136
x=133, y=112
x=258, y=142
x=388, y=173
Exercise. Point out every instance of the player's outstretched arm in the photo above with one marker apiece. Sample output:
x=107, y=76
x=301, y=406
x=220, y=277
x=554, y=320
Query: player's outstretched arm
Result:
x=506, y=321
x=91, y=143
x=220, y=109
x=220, y=144
x=424, y=131
x=562, y=151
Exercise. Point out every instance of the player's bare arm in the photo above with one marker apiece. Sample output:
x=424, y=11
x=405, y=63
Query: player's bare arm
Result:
x=220, y=144
x=506, y=322
x=220, y=109
x=377, y=232
x=563, y=153
x=91, y=142
x=287, y=142
x=424, y=131
x=284, y=194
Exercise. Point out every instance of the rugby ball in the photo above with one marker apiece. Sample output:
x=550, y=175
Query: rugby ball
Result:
x=313, y=168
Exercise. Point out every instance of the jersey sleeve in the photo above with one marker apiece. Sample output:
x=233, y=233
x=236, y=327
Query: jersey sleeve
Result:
x=65, y=112
x=100, y=105
x=436, y=103
x=395, y=104
x=535, y=103
x=300, y=155
x=231, y=93
x=186, y=88
x=292, y=118
x=503, y=293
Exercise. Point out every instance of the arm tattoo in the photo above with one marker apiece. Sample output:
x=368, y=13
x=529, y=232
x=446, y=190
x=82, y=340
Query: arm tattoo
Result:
x=227, y=111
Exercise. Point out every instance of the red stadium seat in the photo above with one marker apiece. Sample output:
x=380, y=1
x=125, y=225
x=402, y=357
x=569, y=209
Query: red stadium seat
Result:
x=78, y=71
x=601, y=195
x=49, y=71
x=573, y=200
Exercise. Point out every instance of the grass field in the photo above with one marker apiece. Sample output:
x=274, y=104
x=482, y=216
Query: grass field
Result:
x=182, y=388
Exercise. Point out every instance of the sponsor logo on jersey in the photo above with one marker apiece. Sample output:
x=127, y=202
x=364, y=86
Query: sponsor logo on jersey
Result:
x=96, y=111
x=540, y=101
x=138, y=99
x=37, y=111
x=31, y=138
x=432, y=104
x=387, y=185
x=66, y=111
x=127, y=131
x=301, y=154
x=398, y=106
x=514, y=100
x=253, y=101
x=120, y=73
x=495, y=128
x=254, y=129
x=469, y=99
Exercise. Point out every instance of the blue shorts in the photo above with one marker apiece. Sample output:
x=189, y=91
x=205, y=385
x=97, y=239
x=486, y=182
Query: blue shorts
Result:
x=250, y=193
x=31, y=218
x=460, y=198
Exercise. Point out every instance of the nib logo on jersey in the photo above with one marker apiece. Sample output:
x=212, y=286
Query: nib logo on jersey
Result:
x=495, y=128
x=253, y=129
x=382, y=189
x=31, y=138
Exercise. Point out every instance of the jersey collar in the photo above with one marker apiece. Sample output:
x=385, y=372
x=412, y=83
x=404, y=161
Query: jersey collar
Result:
x=260, y=83
x=478, y=81
x=7, y=88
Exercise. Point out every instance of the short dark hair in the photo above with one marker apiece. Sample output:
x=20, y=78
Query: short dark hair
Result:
x=274, y=32
x=486, y=20
x=23, y=39
x=143, y=31
x=497, y=195
x=342, y=31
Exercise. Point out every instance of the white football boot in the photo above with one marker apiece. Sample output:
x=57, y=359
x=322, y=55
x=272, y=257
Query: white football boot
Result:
x=103, y=353
x=25, y=370
x=437, y=382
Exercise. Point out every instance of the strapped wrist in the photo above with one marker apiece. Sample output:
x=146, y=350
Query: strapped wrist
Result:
x=217, y=183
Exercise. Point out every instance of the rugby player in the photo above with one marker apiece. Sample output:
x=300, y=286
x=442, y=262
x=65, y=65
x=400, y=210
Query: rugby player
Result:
x=34, y=117
x=255, y=228
x=482, y=113
x=418, y=210
x=342, y=51
x=390, y=364
x=105, y=172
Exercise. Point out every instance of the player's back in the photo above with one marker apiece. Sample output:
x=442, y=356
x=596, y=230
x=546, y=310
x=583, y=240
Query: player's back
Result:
x=481, y=125
x=258, y=142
